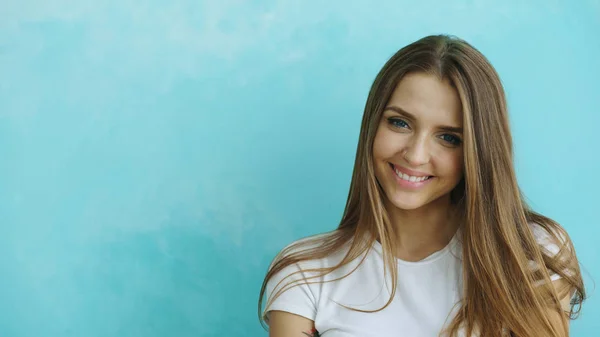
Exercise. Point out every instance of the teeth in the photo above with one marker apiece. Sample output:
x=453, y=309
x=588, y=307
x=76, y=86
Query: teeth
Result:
x=406, y=177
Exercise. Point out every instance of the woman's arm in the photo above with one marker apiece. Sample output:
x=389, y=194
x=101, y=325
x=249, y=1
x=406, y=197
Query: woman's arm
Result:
x=560, y=320
x=285, y=324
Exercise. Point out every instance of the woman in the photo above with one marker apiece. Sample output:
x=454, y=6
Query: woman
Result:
x=436, y=238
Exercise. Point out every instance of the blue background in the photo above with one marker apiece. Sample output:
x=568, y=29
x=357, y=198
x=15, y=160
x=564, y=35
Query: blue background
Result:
x=155, y=155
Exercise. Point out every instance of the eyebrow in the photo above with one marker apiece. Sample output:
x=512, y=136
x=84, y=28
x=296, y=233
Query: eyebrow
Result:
x=403, y=112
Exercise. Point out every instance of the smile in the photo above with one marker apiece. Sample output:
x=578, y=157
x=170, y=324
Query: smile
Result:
x=410, y=178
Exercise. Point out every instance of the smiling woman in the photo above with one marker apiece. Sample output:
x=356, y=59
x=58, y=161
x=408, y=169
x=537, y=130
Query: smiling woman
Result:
x=436, y=238
x=425, y=158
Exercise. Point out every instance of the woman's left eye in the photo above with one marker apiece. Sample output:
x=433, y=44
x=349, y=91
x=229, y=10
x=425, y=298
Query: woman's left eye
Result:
x=397, y=122
x=451, y=139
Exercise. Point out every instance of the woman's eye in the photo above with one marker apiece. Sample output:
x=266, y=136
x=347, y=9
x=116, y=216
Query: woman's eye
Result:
x=451, y=139
x=399, y=123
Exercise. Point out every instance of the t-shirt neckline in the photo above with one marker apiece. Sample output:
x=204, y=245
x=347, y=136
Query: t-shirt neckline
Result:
x=429, y=259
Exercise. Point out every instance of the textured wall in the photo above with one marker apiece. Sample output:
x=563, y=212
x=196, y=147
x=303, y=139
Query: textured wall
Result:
x=155, y=155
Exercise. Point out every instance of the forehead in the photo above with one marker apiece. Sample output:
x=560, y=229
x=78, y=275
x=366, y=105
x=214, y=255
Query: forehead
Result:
x=428, y=98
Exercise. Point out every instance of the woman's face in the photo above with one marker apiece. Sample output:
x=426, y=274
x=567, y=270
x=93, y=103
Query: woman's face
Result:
x=417, y=152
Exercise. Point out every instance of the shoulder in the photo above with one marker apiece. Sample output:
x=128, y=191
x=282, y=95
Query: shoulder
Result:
x=556, y=248
x=319, y=258
x=307, y=252
x=560, y=259
x=552, y=239
x=295, y=279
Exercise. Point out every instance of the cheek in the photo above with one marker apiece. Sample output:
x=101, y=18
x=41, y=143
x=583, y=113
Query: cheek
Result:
x=382, y=145
x=452, y=164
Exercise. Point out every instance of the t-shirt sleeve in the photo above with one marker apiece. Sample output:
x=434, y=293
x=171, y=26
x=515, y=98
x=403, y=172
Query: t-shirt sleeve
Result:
x=298, y=297
x=549, y=246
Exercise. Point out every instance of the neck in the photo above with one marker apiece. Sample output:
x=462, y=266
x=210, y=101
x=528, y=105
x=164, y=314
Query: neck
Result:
x=423, y=231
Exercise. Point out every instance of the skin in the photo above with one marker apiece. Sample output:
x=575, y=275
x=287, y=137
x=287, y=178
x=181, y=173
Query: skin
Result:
x=285, y=324
x=420, y=130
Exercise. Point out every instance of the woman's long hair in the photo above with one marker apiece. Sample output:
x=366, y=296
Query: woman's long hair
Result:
x=501, y=290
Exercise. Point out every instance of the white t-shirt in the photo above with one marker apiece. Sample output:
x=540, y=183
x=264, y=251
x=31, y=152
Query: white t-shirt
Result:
x=423, y=305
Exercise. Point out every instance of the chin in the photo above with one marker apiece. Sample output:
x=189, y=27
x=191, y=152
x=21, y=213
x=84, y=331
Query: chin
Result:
x=407, y=205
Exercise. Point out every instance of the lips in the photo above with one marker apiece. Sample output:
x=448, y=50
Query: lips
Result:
x=409, y=172
x=410, y=175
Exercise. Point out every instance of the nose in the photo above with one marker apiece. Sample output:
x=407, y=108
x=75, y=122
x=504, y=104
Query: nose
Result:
x=416, y=152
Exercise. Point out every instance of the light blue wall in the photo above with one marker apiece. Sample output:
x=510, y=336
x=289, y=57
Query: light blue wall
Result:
x=155, y=155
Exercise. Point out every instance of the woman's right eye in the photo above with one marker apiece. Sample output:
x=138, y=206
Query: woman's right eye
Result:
x=397, y=122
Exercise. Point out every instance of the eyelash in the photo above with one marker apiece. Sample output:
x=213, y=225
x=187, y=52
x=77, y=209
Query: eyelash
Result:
x=453, y=141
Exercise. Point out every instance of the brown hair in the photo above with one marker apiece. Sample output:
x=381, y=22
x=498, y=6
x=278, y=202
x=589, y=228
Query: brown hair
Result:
x=501, y=290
